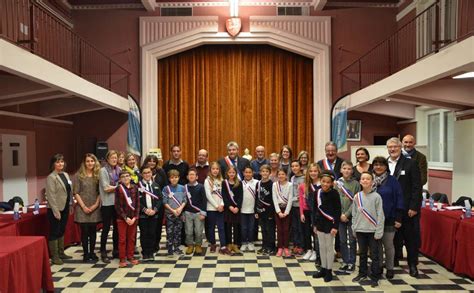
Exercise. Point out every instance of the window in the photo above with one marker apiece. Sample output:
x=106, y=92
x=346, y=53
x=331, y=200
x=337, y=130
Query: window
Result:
x=181, y=11
x=440, y=138
x=291, y=10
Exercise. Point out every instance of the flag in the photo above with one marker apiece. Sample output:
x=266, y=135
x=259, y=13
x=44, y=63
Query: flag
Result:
x=339, y=124
x=134, y=136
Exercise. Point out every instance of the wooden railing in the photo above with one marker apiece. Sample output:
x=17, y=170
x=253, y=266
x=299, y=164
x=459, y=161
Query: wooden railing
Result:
x=431, y=30
x=27, y=24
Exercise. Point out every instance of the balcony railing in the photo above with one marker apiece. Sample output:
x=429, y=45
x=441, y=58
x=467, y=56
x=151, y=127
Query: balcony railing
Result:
x=27, y=24
x=438, y=26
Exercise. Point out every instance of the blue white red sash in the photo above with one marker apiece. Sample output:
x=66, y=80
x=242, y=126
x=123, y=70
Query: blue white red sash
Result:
x=344, y=190
x=128, y=198
x=229, y=163
x=259, y=183
x=188, y=194
x=249, y=188
x=214, y=189
x=144, y=190
x=171, y=195
x=328, y=166
x=320, y=202
x=364, y=211
x=231, y=193
x=280, y=193
x=313, y=189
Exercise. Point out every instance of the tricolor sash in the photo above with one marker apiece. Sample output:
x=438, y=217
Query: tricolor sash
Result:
x=188, y=194
x=344, y=190
x=328, y=166
x=259, y=194
x=280, y=194
x=171, y=195
x=143, y=189
x=214, y=189
x=229, y=163
x=252, y=192
x=313, y=189
x=127, y=197
x=320, y=202
x=231, y=193
x=364, y=211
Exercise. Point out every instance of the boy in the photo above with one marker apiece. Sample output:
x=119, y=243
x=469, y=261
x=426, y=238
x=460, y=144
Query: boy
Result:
x=127, y=207
x=347, y=188
x=174, y=200
x=195, y=213
x=266, y=211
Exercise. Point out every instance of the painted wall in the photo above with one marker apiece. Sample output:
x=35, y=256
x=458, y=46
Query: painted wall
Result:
x=440, y=181
x=463, y=163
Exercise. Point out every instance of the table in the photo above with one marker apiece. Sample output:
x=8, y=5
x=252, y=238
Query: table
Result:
x=24, y=264
x=464, y=262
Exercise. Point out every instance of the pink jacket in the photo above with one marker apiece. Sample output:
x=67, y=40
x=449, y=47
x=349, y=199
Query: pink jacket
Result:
x=302, y=199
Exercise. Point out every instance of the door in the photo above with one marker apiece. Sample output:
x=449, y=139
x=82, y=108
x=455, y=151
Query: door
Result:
x=14, y=167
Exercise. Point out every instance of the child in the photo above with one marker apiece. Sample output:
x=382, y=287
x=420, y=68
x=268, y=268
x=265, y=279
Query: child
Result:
x=127, y=207
x=296, y=226
x=266, y=211
x=174, y=199
x=307, y=193
x=347, y=188
x=368, y=224
x=247, y=213
x=195, y=213
x=282, y=192
x=327, y=214
x=215, y=208
x=232, y=192
x=151, y=203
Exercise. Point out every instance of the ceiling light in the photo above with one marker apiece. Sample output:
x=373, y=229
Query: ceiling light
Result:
x=465, y=75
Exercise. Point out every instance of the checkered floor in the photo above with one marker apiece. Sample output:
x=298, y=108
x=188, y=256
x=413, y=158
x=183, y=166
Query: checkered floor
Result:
x=247, y=272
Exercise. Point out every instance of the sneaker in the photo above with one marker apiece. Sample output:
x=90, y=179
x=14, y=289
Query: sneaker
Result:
x=224, y=250
x=279, y=252
x=170, y=253
x=287, y=252
x=328, y=276
x=251, y=247
x=390, y=274
x=299, y=251
x=343, y=268
x=320, y=274
x=122, y=263
x=359, y=277
x=350, y=268
x=133, y=261
x=313, y=256
x=213, y=248
x=244, y=247
x=261, y=251
x=307, y=255
x=178, y=252
x=374, y=282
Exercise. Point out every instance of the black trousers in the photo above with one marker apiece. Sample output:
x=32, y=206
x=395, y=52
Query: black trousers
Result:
x=159, y=228
x=232, y=229
x=88, y=237
x=408, y=234
x=108, y=218
x=148, y=235
x=367, y=242
x=267, y=224
x=307, y=231
x=57, y=227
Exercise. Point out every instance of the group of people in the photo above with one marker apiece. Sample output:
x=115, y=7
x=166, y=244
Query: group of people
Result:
x=320, y=208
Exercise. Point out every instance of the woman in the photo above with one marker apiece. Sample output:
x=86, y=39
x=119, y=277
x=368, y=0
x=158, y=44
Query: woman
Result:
x=109, y=176
x=392, y=197
x=303, y=158
x=59, y=196
x=362, y=158
x=131, y=167
x=86, y=192
x=286, y=155
x=274, y=159
x=159, y=175
x=121, y=159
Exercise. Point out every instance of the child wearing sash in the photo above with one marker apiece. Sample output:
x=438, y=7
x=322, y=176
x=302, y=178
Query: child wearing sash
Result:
x=282, y=192
x=347, y=188
x=266, y=211
x=215, y=208
x=174, y=200
x=232, y=192
x=368, y=225
x=127, y=207
x=151, y=204
x=327, y=210
x=296, y=225
x=247, y=213
x=307, y=193
x=195, y=213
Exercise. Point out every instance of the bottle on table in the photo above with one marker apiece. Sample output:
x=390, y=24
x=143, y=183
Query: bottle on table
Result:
x=16, y=211
x=36, y=209
x=468, y=213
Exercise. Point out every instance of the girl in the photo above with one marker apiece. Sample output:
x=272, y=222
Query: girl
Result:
x=282, y=192
x=307, y=193
x=232, y=192
x=368, y=225
x=286, y=155
x=215, y=208
x=247, y=214
x=266, y=211
x=274, y=165
x=86, y=192
x=303, y=158
x=296, y=225
x=327, y=215
x=131, y=167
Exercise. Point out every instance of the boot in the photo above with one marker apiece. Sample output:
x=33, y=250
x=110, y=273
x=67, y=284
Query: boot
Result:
x=190, y=249
x=235, y=248
x=104, y=257
x=53, y=248
x=328, y=276
x=198, y=250
x=61, y=253
x=320, y=274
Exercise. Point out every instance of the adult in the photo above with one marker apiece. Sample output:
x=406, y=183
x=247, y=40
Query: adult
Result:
x=109, y=176
x=286, y=156
x=259, y=161
x=131, y=167
x=202, y=165
x=59, y=196
x=331, y=162
x=87, y=214
x=274, y=159
x=363, y=165
x=408, y=175
x=121, y=159
x=392, y=198
x=410, y=152
x=159, y=175
x=233, y=159
x=176, y=163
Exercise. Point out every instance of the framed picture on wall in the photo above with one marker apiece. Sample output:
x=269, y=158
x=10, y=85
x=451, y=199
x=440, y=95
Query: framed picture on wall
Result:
x=354, y=130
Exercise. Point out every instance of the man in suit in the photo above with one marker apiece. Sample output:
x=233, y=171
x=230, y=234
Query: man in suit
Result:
x=234, y=159
x=408, y=175
x=332, y=162
x=410, y=152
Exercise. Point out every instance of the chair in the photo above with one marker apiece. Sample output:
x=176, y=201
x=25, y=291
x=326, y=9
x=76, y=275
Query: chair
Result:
x=440, y=197
x=460, y=201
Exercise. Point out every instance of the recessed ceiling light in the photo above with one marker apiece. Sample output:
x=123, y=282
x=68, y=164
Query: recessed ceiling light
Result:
x=387, y=100
x=465, y=75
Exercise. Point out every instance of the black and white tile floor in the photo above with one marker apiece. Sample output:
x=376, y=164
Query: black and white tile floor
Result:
x=247, y=272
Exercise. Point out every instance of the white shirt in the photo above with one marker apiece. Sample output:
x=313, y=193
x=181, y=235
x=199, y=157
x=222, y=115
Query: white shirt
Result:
x=392, y=164
x=248, y=202
x=148, y=197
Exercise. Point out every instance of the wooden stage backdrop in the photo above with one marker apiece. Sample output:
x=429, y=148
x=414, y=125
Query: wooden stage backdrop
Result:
x=253, y=94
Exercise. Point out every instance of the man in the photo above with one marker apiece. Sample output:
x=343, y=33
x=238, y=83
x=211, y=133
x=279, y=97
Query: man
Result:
x=202, y=165
x=259, y=161
x=332, y=162
x=234, y=159
x=408, y=175
x=176, y=163
x=410, y=152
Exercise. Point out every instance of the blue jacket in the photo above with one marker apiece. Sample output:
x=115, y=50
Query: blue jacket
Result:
x=392, y=198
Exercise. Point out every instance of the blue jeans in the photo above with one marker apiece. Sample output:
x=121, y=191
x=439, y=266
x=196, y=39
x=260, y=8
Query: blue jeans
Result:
x=215, y=218
x=247, y=227
x=348, y=249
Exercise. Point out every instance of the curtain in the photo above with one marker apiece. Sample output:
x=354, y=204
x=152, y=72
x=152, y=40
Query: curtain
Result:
x=252, y=94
